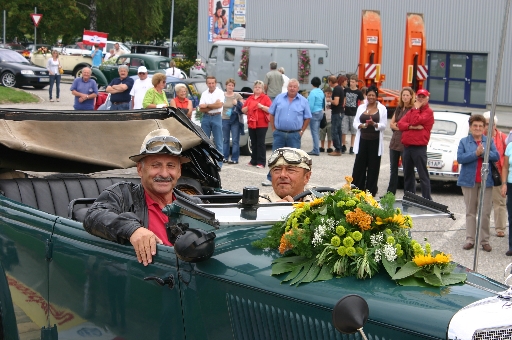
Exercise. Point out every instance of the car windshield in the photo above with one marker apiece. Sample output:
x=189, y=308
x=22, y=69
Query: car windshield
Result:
x=444, y=127
x=12, y=57
x=163, y=65
x=17, y=47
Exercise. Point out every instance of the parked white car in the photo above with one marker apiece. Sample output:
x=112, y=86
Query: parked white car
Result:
x=448, y=129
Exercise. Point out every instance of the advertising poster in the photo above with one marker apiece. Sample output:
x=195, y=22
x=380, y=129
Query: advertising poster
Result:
x=226, y=19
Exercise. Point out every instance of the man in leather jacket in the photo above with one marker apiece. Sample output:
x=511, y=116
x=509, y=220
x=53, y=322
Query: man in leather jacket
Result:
x=128, y=212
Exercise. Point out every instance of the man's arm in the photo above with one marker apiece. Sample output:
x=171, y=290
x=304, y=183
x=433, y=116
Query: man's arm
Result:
x=103, y=220
x=336, y=95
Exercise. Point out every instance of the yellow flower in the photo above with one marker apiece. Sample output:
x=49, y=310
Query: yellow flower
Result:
x=317, y=201
x=379, y=221
x=425, y=260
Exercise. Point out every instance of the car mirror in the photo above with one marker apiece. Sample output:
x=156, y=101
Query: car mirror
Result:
x=195, y=245
x=350, y=314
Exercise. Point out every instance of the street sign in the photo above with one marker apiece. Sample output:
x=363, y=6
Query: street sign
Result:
x=36, y=18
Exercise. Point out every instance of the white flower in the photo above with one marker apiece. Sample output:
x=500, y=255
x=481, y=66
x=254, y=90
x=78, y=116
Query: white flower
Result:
x=376, y=239
x=320, y=232
x=389, y=252
x=378, y=255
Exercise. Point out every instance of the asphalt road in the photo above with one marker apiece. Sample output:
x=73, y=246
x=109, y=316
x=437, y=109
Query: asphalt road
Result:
x=444, y=234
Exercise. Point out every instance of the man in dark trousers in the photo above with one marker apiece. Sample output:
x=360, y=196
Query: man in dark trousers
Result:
x=416, y=126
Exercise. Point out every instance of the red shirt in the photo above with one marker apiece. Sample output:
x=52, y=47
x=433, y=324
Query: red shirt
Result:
x=157, y=220
x=181, y=104
x=479, y=162
x=422, y=116
x=256, y=117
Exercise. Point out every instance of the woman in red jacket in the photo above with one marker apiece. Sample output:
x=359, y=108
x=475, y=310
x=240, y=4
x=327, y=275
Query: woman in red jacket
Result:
x=256, y=108
x=415, y=127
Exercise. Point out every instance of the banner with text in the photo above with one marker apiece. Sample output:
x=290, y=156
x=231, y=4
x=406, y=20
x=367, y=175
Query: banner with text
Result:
x=226, y=19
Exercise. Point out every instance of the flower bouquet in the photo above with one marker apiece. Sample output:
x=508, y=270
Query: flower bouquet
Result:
x=304, y=66
x=198, y=65
x=349, y=233
x=244, y=64
x=42, y=50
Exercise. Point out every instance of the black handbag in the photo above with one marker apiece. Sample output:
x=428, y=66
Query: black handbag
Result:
x=323, y=122
x=496, y=177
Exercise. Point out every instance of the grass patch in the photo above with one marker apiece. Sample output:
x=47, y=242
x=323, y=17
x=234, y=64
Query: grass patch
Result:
x=9, y=95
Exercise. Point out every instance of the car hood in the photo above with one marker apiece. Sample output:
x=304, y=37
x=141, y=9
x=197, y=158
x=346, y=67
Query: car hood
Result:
x=23, y=66
x=417, y=309
x=82, y=142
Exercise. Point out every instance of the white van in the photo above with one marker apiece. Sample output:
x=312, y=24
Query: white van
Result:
x=224, y=60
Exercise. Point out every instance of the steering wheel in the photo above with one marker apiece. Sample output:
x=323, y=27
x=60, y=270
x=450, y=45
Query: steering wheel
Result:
x=308, y=192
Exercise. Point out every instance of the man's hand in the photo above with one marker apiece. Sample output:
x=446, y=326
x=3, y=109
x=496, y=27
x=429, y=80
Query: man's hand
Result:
x=144, y=242
x=287, y=198
x=203, y=106
x=416, y=127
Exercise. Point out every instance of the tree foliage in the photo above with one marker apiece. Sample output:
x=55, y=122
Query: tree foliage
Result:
x=135, y=20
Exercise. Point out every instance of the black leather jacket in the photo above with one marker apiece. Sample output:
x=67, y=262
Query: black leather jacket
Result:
x=120, y=210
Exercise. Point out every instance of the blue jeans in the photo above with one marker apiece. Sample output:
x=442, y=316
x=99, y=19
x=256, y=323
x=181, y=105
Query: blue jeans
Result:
x=314, y=126
x=285, y=139
x=120, y=107
x=231, y=128
x=212, y=126
x=336, y=130
x=55, y=78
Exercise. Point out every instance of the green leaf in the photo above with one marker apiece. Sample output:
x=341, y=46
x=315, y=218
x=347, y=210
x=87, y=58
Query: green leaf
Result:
x=324, y=275
x=283, y=267
x=323, y=210
x=451, y=279
x=410, y=268
x=437, y=272
x=305, y=269
x=291, y=259
x=413, y=282
x=390, y=267
x=449, y=268
x=433, y=280
x=296, y=270
x=312, y=274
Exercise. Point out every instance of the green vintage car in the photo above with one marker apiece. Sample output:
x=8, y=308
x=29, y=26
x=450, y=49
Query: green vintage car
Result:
x=108, y=71
x=59, y=282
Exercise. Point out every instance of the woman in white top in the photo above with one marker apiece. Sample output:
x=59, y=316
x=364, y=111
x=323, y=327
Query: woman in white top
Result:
x=53, y=66
x=173, y=71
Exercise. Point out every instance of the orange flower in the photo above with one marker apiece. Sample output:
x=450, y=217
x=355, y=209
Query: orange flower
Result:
x=285, y=244
x=359, y=218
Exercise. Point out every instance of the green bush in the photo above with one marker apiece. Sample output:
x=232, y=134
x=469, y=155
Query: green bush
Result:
x=184, y=65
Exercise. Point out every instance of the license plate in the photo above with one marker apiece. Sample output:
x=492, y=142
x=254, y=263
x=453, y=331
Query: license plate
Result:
x=47, y=79
x=435, y=164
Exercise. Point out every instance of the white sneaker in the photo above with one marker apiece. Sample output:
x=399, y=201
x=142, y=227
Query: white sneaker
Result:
x=266, y=183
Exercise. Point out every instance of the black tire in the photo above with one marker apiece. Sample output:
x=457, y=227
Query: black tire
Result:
x=39, y=87
x=8, y=79
x=246, y=150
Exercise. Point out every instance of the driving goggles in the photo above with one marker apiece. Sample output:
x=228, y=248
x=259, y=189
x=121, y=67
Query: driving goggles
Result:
x=157, y=144
x=290, y=156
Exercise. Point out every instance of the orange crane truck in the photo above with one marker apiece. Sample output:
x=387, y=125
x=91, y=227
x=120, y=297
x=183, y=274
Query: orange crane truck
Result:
x=370, y=56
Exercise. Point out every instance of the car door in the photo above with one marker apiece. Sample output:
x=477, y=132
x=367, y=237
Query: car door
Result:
x=24, y=235
x=104, y=292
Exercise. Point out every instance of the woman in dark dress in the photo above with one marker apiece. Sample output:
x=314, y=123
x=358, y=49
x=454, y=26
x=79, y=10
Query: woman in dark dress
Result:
x=370, y=122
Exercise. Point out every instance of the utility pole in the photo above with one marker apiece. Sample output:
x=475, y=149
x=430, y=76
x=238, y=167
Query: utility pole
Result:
x=3, y=41
x=172, y=22
x=35, y=30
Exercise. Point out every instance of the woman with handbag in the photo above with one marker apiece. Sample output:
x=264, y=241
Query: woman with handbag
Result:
x=506, y=191
x=396, y=148
x=499, y=203
x=55, y=69
x=470, y=154
x=230, y=124
x=256, y=108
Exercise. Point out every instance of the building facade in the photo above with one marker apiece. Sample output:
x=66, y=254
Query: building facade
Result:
x=463, y=38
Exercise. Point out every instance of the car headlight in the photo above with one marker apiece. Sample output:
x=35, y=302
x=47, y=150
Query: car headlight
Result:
x=27, y=72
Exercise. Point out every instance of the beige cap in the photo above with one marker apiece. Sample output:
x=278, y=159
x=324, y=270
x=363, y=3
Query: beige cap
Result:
x=152, y=134
x=302, y=153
